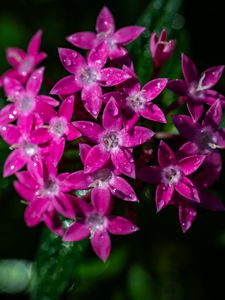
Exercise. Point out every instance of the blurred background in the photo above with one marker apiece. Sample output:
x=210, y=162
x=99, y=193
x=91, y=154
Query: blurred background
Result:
x=159, y=262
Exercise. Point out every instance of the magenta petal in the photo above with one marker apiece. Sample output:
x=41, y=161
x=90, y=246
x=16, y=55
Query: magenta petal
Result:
x=84, y=149
x=165, y=155
x=84, y=40
x=153, y=112
x=185, y=126
x=64, y=206
x=186, y=188
x=151, y=174
x=210, y=77
x=98, y=56
x=120, y=226
x=67, y=85
x=34, y=212
x=128, y=34
x=34, y=82
x=178, y=86
x=15, y=56
x=24, y=192
x=53, y=222
x=105, y=21
x=25, y=178
x=120, y=188
x=79, y=180
x=13, y=88
x=90, y=130
x=213, y=116
x=71, y=60
x=189, y=69
x=136, y=136
x=47, y=99
x=187, y=149
x=195, y=111
x=92, y=97
x=189, y=165
x=76, y=232
x=101, y=244
x=56, y=149
x=35, y=168
x=153, y=88
x=112, y=117
x=97, y=157
x=187, y=214
x=14, y=162
x=113, y=76
x=72, y=133
x=123, y=162
x=101, y=199
x=163, y=196
x=40, y=136
x=211, y=202
x=35, y=43
x=8, y=114
x=10, y=134
x=66, y=108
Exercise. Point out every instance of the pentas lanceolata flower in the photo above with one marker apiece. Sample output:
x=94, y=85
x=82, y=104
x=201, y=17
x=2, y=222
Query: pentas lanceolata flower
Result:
x=103, y=113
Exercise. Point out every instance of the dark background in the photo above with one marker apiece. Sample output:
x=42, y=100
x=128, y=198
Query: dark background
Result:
x=159, y=263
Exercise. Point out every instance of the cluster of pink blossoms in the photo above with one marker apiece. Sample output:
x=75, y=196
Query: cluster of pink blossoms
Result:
x=109, y=102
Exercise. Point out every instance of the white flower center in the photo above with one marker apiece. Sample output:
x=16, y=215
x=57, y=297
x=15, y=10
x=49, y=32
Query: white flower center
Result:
x=111, y=141
x=95, y=222
x=58, y=127
x=206, y=140
x=170, y=175
x=88, y=76
x=101, y=178
x=26, y=65
x=136, y=101
x=50, y=189
x=25, y=105
x=30, y=149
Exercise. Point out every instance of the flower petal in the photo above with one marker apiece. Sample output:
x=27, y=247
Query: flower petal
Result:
x=128, y=34
x=185, y=126
x=13, y=88
x=123, y=162
x=35, y=43
x=186, y=188
x=84, y=149
x=136, y=136
x=84, y=40
x=56, y=150
x=101, y=244
x=40, y=136
x=112, y=117
x=10, y=134
x=53, y=222
x=213, y=116
x=113, y=76
x=178, y=86
x=120, y=188
x=187, y=214
x=66, y=86
x=72, y=133
x=66, y=108
x=91, y=131
x=64, y=206
x=76, y=232
x=97, y=157
x=8, y=114
x=153, y=88
x=15, y=56
x=189, y=165
x=24, y=192
x=14, y=162
x=47, y=99
x=92, y=97
x=163, y=196
x=98, y=56
x=34, y=82
x=34, y=212
x=120, y=226
x=195, y=110
x=187, y=149
x=154, y=113
x=72, y=60
x=79, y=180
x=151, y=174
x=105, y=21
x=189, y=69
x=101, y=199
x=35, y=168
x=210, y=77
x=165, y=155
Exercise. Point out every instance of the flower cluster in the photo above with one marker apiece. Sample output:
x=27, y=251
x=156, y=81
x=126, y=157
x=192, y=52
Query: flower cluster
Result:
x=99, y=109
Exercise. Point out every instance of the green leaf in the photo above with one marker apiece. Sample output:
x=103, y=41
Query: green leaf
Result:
x=158, y=14
x=54, y=269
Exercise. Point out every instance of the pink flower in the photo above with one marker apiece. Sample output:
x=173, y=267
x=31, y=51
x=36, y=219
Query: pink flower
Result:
x=161, y=49
x=88, y=76
x=18, y=137
x=59, y=127
x=97, y=223
x=25, y=100
x=197, y=88
x=105, y=27
x=47, y=194
x=24, y=63
x=104, y=180
x=137, y=102
x=112, y=141
x=171, y=175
